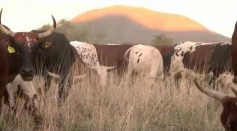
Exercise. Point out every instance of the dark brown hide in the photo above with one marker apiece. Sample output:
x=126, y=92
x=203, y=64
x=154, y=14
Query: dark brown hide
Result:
x=234, y=52
x=112, y=55
x=229, y=113
x=214, y=58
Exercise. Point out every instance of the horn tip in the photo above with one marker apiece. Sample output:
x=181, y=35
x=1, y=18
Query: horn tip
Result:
x=54, y=22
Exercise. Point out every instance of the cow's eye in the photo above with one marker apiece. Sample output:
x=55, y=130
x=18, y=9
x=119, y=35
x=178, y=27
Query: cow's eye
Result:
x=46, y=44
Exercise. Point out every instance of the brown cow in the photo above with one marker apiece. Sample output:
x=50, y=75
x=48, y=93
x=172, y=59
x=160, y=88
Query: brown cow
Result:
x=15, y=50
x=112, y=55
x=234, y=52
x=229, y=114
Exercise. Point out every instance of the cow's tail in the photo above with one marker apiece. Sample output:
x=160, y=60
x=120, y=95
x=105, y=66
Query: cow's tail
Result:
x=128, y=50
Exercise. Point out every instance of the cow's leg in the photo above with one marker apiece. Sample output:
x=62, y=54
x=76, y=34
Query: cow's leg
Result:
x=130, y=70
x=61, y=87
x=48, y=80
x=65, y=82
x=11, y=95
x=3, y=81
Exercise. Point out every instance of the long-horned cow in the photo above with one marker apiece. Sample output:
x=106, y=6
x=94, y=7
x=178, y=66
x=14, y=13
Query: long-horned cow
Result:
x=229, y=114
x=55, y=54
x=15, y=55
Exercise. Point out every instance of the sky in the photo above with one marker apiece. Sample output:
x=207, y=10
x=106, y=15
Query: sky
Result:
x=25, y=15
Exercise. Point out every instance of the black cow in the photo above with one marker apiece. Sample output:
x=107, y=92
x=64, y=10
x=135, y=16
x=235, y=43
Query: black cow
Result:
x=54, y=54
x=166, y=52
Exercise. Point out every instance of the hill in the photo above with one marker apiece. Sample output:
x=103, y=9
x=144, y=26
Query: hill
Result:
x=124, y=24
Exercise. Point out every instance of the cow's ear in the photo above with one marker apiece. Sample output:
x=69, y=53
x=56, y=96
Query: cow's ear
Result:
x=46, y=44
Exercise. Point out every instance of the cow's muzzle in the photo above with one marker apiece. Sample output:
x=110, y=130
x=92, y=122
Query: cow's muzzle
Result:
x=27, y=73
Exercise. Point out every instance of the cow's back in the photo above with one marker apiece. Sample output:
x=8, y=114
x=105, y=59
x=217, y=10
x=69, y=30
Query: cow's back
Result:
x=214, y=58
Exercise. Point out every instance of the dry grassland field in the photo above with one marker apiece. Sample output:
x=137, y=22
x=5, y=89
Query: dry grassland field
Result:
x=130, y=105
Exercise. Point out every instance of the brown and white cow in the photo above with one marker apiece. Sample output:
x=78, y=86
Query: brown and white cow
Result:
x=145, y=60
x=201, y=57
x=229, y=114
x=15, y=53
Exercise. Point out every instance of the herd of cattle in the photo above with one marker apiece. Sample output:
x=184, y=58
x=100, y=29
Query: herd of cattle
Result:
x=26, y=54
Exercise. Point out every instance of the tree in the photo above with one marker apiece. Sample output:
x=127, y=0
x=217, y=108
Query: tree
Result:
x=161, y=39
x=82, y=32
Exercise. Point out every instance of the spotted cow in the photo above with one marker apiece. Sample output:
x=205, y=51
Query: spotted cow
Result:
x=146, y=60
x=88, y=55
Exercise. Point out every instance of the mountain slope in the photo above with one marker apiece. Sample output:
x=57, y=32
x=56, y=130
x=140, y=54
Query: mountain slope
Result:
x=133, y=24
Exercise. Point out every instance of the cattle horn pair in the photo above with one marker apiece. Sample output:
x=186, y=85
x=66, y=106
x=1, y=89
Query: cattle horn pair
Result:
x=212, y=93
x=40, y=35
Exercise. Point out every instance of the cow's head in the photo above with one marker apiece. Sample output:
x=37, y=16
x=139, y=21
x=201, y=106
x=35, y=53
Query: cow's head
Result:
x=23, y=43
x=229, y=113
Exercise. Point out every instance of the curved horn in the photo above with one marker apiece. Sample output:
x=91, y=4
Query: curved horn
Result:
x=212, y=93
x=50, y=31
x=5, y=30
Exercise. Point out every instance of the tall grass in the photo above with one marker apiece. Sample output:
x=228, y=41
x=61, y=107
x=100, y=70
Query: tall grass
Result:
x=135, y=105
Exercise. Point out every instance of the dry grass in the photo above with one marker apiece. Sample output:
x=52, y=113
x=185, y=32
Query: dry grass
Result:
x=125, y=106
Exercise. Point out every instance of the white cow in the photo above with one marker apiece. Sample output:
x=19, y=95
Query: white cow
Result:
x=88, y=55
x=145, y=60
x=27, y=91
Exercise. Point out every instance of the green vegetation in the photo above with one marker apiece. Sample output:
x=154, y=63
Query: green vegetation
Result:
x=161, y=39
x=83, y=33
